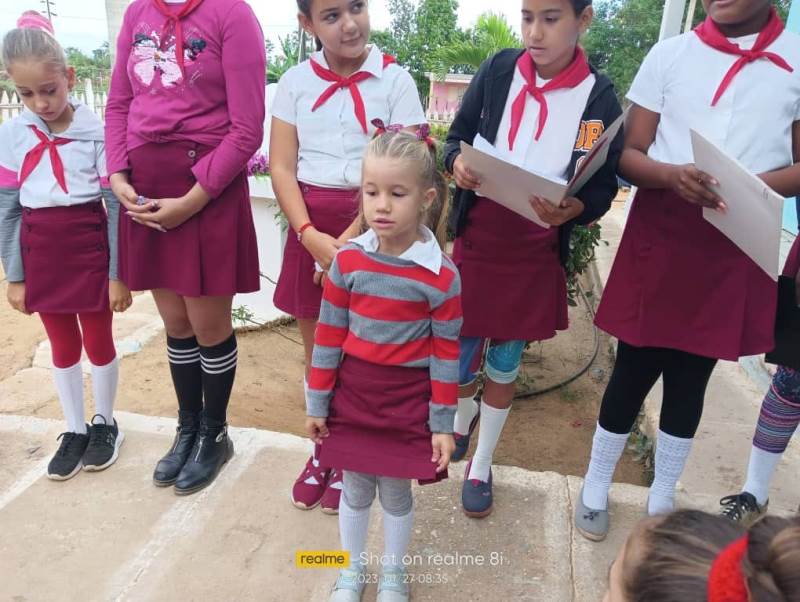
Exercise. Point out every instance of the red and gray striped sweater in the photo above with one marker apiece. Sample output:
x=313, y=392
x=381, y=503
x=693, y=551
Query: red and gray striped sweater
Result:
x=394, y=312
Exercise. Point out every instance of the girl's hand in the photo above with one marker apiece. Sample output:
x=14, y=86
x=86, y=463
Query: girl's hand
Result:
x=694, y=186
x=119, y=296
x=170, y=213
x=319, y=278
x=126, y=194
x=322, y=246
x=465, y=179
x=16, y=296
x=443, y=447
x=317, y=428
x=567, y=210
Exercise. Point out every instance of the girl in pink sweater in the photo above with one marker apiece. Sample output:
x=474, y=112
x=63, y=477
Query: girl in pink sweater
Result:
x=185, y=113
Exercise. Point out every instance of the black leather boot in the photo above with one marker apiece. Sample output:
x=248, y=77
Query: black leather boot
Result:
x=168, y=467
x=212, y=449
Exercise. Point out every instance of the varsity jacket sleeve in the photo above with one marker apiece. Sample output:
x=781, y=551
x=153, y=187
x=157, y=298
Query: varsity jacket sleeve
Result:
x=467, y=119
x=331, y=333
x=601, y=189
x=446, y=320
x=10, y=208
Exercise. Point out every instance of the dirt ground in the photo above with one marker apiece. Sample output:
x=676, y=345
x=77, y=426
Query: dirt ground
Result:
x=545, y=432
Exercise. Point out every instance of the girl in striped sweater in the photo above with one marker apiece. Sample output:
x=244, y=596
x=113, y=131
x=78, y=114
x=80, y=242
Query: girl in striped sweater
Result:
x=384, y=373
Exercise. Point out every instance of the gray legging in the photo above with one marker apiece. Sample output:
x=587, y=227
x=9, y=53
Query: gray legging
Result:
x=358, y=490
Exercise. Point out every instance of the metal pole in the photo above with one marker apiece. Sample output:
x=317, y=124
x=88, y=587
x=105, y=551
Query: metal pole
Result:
x=672, y=18
x=690, y=15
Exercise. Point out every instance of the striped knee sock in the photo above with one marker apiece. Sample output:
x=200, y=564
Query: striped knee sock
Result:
x=219, y=370
x=187, y=378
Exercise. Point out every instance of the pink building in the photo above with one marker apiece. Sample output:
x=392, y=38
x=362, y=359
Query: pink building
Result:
x=445, y=96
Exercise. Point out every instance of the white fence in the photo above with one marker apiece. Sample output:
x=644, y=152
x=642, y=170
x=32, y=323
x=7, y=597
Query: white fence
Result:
x=11, y=105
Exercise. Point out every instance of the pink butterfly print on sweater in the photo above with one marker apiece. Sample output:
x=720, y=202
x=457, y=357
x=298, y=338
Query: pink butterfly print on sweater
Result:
x=150, y=59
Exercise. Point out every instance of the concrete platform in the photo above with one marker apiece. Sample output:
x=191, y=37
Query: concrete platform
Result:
x=114, y=536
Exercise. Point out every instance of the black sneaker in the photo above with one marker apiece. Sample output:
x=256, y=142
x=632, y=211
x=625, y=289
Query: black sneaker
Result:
x=67, y=461
x=104, y=442
x=743, y=508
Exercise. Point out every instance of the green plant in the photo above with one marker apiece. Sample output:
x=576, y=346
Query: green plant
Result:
x=643, y=451
x=582, y=246
x=244, y=316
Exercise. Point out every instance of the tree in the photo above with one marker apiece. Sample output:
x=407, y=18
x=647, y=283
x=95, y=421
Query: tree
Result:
x=492, y=33
x=437, y=26
x=280, y=63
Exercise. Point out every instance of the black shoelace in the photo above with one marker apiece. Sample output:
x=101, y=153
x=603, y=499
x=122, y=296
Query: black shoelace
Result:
x=67, y=441
x=100, y=434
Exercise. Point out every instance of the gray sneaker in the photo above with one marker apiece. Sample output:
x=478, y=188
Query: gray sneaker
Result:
x=393, y=586
x=592, y=524
x=349, y=586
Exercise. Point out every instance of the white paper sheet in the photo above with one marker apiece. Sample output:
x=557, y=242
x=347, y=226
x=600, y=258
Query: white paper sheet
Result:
x=512, y=186
x=755, y=211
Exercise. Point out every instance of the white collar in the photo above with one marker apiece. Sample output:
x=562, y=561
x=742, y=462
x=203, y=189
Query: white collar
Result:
x=85, y=124
x=373, y=64
x=425, y=253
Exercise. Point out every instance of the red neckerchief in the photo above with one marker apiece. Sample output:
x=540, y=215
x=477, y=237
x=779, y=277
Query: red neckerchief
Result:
x=34, y=155
x=709, y=34
x=351, y=82
x=173, y=25
x=726, y=582
x=570, y=77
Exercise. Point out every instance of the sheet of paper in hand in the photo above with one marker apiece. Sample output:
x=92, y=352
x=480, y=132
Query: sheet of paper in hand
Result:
x=754, y=217
x=513, y=186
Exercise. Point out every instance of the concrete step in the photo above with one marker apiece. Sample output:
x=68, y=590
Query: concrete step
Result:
x=114, y=536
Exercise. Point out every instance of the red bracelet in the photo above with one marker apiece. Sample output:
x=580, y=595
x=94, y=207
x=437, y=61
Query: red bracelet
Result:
x=302, y=229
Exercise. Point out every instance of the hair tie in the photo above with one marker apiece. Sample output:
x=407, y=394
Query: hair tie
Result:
x=424, y=135
x=726, y=582
x=381, y=128
x=31, y=19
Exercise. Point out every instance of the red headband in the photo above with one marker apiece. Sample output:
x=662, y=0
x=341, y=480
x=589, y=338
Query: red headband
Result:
x=726, y=582
x=30, y=19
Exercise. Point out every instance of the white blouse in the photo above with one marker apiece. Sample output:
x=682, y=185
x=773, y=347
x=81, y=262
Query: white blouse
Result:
x=83, y=157
x=752, y=120
x=331, y=139
x=551, y=155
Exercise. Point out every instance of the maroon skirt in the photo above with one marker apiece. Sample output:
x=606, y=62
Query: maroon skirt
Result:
x=331, y=210
x=513, y=285
x=378, y=422
x=679, y=283
x=214, y=253
x=65, y=257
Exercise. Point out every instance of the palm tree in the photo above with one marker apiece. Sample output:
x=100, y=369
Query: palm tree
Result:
x=492, y=33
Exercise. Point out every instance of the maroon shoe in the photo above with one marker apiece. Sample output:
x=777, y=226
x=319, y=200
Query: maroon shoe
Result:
x=330, y=499
x=308, y=495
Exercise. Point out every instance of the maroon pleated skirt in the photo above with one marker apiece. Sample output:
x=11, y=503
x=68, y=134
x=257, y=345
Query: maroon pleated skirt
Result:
x=331, y=210
x=678, y=282
x=214, y=253
x=65, y=257
x=378, y=422
x=513, y=286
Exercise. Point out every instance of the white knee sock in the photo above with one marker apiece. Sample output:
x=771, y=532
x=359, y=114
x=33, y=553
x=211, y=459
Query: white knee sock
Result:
x=104, y=388
x=491, y=425
x=671, y=455
x=467, y=408
x=353, y=526
x=607, y=448
x=759, y=473
x=69, y=384
x=396, y=537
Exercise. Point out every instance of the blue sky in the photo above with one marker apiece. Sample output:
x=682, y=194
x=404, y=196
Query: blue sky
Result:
x=81, y=23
